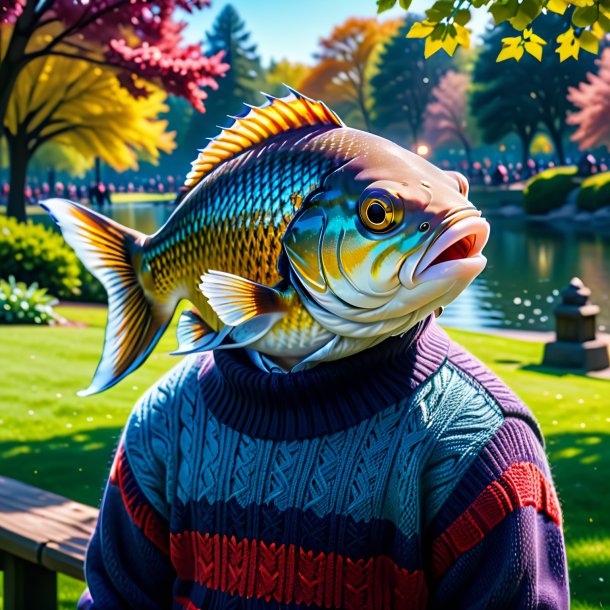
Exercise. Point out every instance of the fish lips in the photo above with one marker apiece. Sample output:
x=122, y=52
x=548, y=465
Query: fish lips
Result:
x=454, y=254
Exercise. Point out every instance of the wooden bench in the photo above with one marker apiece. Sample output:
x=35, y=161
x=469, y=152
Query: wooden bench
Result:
x=41, y=534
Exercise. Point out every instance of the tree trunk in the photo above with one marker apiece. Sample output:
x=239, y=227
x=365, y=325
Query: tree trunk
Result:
x=19, y=158
x=557, y=139
x=526, y=141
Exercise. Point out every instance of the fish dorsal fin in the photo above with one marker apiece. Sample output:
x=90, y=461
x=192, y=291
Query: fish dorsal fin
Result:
x=258, y=124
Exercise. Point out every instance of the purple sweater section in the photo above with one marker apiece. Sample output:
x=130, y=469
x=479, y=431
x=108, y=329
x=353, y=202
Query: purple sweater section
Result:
x=407, y=477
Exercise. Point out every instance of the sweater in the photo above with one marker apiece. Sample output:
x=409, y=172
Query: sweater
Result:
x=407, y=476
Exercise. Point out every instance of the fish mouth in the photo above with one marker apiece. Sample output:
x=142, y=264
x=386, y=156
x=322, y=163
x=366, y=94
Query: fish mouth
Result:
x=454, y=253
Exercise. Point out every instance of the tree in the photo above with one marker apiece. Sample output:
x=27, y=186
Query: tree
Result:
x=139, y=38
x=63, y=100
x=446, y=25
x=345, y=62
x=285, y=72
x=402, y=87
x=531, y=86
x=228, y=36
x=592, y=100
x=500, y=99
x=447, y=117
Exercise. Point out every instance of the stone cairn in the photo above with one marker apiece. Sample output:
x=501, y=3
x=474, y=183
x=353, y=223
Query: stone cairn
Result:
x=576, y=345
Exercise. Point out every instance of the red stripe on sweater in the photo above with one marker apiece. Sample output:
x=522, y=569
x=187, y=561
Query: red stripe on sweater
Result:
x=138, y=508
x=291, y=574
x=521, y=485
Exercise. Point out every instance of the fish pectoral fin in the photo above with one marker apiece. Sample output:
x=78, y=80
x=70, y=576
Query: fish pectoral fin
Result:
x=194, y=335
x=236, y=300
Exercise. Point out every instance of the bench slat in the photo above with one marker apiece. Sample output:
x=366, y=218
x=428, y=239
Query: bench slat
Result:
x=43, y=527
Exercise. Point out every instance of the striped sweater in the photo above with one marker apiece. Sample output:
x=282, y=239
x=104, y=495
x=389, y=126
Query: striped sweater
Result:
x=404, y=477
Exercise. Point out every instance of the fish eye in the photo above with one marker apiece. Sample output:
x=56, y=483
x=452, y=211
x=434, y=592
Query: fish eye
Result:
x=377, y=214
x=424, y=226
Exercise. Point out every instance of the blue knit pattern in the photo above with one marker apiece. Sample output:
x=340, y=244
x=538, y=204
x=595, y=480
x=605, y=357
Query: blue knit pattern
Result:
x=380, y=468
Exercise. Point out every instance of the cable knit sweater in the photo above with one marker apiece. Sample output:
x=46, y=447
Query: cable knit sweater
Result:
x=404, y=477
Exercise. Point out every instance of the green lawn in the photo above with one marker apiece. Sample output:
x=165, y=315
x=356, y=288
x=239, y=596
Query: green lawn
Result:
x=52, y=438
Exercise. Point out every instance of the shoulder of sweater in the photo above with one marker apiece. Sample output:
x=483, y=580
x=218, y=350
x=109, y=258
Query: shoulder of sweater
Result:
x=473, y=371
x=150, y=434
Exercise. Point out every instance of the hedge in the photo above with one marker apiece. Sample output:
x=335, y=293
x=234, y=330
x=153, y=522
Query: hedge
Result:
x=594, y=193
x=549, y=189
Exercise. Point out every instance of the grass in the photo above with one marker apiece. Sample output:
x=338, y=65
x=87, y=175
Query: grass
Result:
x=142, y=197
x=52, y=438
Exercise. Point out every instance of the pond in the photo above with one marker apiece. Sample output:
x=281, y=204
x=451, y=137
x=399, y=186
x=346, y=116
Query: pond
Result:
x=529, y=263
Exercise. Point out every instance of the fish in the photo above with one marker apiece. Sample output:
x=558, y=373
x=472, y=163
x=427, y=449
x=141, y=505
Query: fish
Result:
x=299, y=237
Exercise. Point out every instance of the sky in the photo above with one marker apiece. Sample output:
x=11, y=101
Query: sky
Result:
x=291, y=28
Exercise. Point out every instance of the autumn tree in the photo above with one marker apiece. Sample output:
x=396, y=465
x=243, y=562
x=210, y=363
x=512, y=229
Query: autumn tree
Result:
x=63, y=100
x=403, y=85
x=139, y=38
x=285, y=72
x=501, y=100
x=446, y=26
x=345, y=65
x=447, y=118
x=592, y=101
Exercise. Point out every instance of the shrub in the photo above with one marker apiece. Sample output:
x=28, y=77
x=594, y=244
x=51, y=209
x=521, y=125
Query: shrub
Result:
x=549, y=189
x=594, y=192
x=32, y=253
x=23, y=304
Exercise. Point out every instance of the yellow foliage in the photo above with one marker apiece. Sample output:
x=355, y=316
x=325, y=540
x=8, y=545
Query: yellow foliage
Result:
x=78, y=106
x=445, y=26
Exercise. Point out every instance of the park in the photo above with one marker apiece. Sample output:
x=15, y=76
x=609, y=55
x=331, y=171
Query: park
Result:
x=107, y=104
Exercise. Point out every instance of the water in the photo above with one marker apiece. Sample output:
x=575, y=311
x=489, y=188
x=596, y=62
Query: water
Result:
x=529, y=263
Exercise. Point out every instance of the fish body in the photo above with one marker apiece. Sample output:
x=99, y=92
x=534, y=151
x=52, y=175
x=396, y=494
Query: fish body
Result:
x=300, y=238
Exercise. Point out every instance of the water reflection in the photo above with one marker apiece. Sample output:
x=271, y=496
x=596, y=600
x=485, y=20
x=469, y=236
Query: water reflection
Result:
x=528, y=264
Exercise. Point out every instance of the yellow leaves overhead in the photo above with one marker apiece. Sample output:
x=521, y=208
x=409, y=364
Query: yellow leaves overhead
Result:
x=446, y=25
x=78, y=106
x=514, y=47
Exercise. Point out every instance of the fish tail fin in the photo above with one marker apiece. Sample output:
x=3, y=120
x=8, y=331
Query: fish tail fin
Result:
x=135, y=322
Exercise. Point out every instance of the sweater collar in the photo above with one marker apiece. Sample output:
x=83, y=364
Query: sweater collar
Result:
x=329, y=397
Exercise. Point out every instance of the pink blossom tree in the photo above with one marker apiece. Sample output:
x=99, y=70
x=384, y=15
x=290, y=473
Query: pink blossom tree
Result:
x=140, y=38
x=592, y=101
x=447, y=117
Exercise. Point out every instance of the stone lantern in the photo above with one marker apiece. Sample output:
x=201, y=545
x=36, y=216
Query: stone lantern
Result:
x=576, y=346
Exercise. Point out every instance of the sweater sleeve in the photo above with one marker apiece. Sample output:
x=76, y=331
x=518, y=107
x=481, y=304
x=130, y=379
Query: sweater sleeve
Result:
x=497, y=543
x=128, y=564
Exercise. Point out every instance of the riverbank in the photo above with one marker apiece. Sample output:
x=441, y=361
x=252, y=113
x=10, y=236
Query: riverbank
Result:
x=54, y=439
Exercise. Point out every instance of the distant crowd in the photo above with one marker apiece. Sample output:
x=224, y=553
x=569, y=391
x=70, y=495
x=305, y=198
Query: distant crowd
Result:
x=98, y=194
x=482, y=173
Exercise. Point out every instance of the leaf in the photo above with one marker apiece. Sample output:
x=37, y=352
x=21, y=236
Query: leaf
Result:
x=450, y=44
x=534, y=49
x=420, y=29
x=404, y=4
x=503, y=11
x=432, y=46
x=589, y=42
x=557, y=6
x=385, y=5
x=528, y=11
x=511, y=50
x=568, y=45
x=462, y=17
x=584, y=16
x=462, y=35
x=440, y=10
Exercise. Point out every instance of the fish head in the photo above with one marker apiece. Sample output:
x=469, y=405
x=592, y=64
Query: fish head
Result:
x=386, y=235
